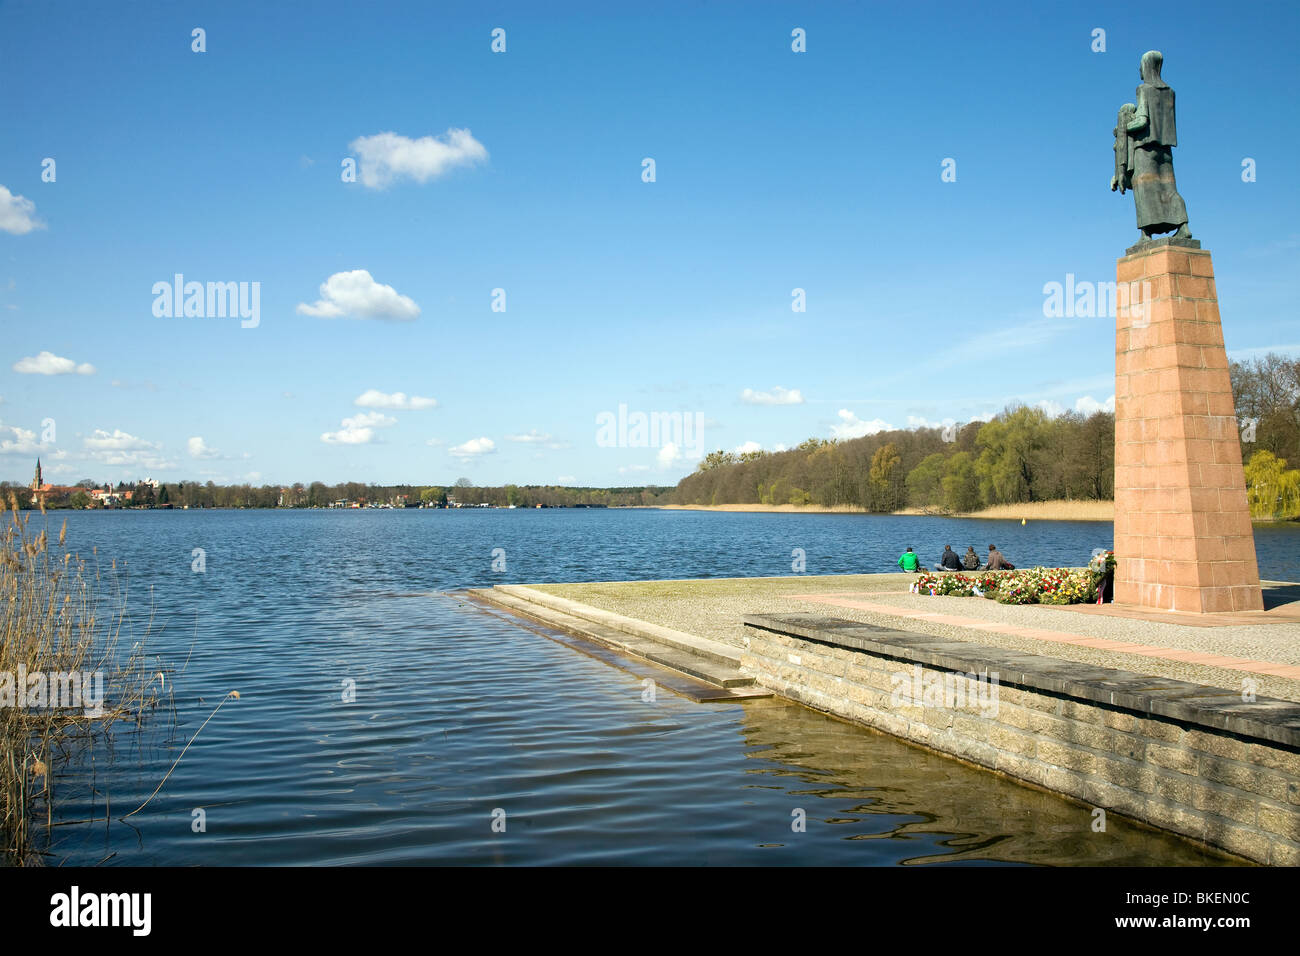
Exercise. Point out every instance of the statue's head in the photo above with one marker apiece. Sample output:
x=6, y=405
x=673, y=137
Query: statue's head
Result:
x=1149, y=68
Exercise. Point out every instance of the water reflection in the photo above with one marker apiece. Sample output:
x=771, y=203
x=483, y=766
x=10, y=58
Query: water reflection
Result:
x=458, y=713
x=930, y=808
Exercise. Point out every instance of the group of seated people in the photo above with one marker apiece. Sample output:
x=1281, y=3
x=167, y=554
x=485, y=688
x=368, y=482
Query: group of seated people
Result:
x=951, y=561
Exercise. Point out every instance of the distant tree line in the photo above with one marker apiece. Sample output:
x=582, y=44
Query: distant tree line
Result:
x=1021, y=455
x=548, y=496
x=193, y=494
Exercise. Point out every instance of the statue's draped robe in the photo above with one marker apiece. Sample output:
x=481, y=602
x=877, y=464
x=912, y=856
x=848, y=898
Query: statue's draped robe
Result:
x=1123, y=149
x=1159, y=207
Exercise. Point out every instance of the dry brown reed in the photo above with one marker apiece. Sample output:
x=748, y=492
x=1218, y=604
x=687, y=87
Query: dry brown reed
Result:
x=61, y=617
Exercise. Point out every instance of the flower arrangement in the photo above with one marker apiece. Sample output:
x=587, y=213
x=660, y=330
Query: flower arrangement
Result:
x=1027, y=586
x=948, y=585
x=1102, y=562
x=1101, y=572
x=956, y=585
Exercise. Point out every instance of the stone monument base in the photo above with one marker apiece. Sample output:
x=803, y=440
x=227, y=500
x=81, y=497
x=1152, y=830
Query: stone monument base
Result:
x=1183, y=538
x=1145, y=245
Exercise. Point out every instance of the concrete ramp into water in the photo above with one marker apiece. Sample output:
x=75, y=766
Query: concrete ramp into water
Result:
x=696, y=667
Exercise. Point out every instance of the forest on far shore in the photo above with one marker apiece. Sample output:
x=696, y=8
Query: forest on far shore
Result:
x=1021, y=455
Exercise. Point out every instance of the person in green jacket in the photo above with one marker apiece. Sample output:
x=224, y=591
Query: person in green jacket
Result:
x=908, y=561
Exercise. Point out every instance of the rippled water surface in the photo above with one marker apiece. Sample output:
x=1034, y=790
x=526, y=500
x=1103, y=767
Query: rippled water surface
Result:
x=461, y=717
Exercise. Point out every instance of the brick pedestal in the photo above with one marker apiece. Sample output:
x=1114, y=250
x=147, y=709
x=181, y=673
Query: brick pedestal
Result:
x=1183, y=539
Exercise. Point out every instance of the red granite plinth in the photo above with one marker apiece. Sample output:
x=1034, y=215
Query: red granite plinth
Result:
x=1183, y=539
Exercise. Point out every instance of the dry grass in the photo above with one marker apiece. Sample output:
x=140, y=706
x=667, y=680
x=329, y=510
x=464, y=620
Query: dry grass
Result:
x=1034, y=510
x=57, y=621
x=771, y=509
x=1051, y=511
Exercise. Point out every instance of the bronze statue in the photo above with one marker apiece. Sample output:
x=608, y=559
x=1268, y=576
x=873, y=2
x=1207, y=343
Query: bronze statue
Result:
x=1144, y=161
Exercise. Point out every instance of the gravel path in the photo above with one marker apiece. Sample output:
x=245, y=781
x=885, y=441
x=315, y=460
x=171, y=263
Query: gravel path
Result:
x=714, y=608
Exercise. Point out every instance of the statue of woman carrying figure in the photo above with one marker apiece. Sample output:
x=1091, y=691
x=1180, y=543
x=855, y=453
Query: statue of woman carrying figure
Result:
x=1144, y=161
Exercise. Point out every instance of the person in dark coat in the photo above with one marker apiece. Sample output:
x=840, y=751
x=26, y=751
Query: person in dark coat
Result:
x=949, y=560
x=970, y=561
x=997, y=562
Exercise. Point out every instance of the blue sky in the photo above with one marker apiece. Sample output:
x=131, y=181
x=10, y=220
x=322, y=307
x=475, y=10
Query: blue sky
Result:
x=774, y=171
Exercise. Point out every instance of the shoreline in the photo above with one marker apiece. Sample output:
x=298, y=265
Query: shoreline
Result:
x=1072, y=700
x=1036, y=510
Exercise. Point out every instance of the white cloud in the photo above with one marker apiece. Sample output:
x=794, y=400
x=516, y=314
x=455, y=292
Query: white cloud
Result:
x=356, y=294
x=669, y=454
x=17, y=215
x=122, y=448
x=388, y=157
x=47, y=363
x=359, y=429
x=373, y=398
x=198, y=448
x=117, y=440
x=18, y=441
x=435, y=442
x=1090, y=406
x=853, y=427
x=566, y=479
x=533, y=437
x=631, y=469
x=918, y=421
x=775, y=396
x=747, y=448
x=1087, y=405
x=473, y=448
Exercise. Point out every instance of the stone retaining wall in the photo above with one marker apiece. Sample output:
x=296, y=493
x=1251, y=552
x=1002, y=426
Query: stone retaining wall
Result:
x=1195, y=760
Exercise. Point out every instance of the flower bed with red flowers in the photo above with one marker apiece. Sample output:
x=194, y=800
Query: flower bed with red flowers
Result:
x=1027, y=586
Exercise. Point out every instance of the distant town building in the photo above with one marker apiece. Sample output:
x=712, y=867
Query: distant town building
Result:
x=42, y=489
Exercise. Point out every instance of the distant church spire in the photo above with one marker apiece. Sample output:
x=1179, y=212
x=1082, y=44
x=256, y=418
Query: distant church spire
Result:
x=37, y=483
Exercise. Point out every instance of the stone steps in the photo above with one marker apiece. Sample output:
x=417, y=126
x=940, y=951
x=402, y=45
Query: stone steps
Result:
x=704, y=660
x=701, y=647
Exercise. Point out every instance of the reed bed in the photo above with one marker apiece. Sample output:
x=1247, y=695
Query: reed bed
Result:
x=1077, y=510
x=1031, y=510
x=62, y=616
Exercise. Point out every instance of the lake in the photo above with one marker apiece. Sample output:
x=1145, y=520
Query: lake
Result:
x=461, y=719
